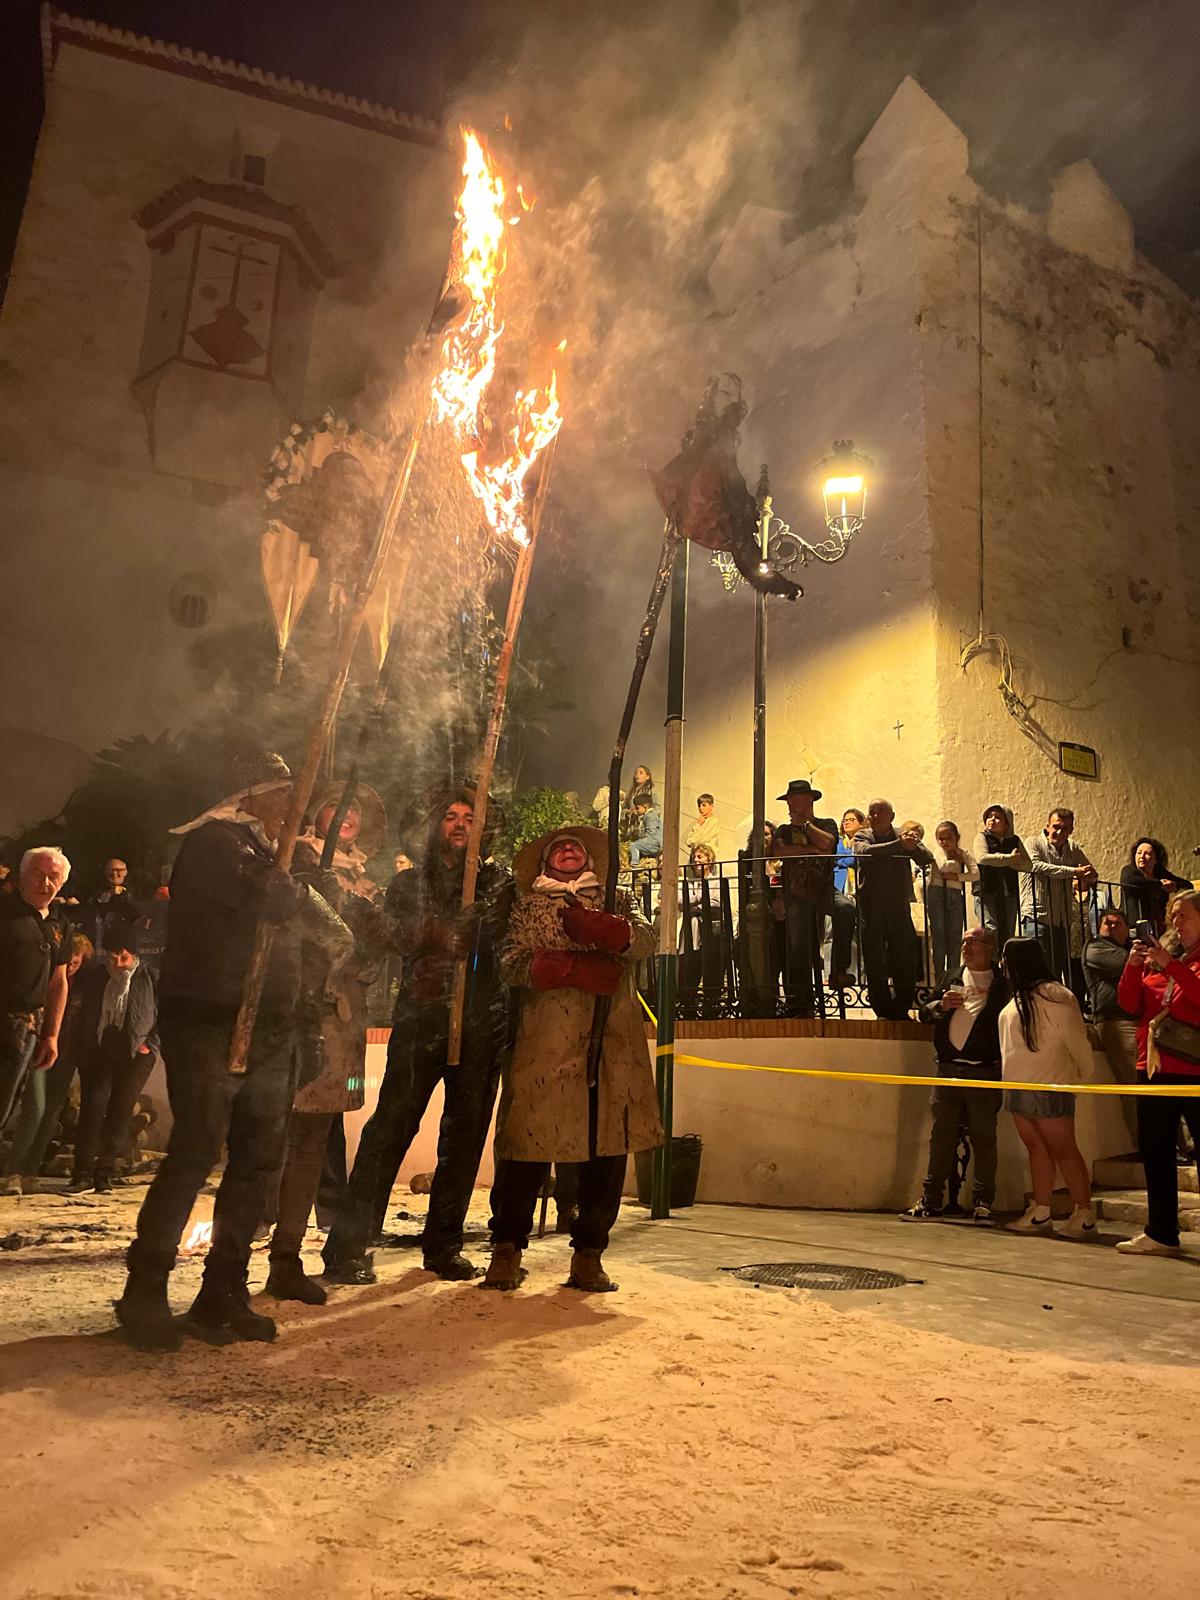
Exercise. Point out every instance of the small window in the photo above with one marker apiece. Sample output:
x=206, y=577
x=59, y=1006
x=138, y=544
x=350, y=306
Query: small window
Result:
x=192, y=600
x=254, y=169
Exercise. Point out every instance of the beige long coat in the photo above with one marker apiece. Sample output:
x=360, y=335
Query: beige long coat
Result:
x=544, y=1101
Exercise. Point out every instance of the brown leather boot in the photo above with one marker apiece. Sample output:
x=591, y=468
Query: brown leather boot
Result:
x=504, y=1269
x=588, y=1274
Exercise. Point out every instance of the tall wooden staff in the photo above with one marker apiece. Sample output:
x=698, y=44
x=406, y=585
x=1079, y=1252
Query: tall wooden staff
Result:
x=483, y=782
x=318, y=738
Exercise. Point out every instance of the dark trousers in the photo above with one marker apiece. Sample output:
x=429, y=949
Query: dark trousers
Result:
x=416, y=1063
x=519, y=1183
x=1158, y=1123
x=889, y=951
x=331, y=1190
x=307, y=1138
x=18, y=1036
x=844, y=917
x=211, y=1107
x=979, y=1108
x=110, y=1080
x=805, y=921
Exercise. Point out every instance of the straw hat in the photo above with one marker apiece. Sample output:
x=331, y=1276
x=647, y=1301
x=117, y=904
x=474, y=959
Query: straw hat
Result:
x=373, y=829
x=527, y=863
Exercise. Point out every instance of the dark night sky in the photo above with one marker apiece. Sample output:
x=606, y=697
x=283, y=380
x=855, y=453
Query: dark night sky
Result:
x=1035, y=84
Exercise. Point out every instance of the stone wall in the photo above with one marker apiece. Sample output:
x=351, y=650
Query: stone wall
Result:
x=1091, y=500
x=96, y=536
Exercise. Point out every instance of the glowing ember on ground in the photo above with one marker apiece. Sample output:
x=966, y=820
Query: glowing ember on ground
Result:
x=496, y=471
x=198, y=1239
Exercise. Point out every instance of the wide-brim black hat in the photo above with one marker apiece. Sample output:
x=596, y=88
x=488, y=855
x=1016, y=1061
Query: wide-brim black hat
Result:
x=800, y=786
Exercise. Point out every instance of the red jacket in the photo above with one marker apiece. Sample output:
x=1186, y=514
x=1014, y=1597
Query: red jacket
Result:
x=1142, y=991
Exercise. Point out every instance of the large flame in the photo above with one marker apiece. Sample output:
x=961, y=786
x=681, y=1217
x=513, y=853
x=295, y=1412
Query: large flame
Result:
x=496, y=475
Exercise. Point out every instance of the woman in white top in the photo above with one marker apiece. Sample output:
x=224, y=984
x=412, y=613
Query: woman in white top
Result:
x=1043, y=1039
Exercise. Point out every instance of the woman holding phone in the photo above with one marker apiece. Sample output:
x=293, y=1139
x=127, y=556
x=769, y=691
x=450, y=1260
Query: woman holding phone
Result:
x=1161, y=986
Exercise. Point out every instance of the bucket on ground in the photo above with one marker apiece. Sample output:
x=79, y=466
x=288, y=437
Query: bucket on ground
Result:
x=685, y=1170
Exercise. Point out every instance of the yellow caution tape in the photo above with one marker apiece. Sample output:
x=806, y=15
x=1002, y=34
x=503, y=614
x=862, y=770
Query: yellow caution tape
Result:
x=899, y=1078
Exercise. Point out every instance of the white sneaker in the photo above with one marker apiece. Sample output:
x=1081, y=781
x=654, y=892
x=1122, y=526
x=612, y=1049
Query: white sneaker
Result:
x=1030, y=1223
x=1143, y=1245
x=1082, y=1224
x=983, y=1215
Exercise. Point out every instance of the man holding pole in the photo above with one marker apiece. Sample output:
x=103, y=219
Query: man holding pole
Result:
x=225, y=879
x=434, y=931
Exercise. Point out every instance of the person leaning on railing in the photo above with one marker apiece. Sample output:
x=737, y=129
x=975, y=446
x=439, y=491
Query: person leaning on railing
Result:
x=1161, y=985
x=1001, y=856
x=1147, y=883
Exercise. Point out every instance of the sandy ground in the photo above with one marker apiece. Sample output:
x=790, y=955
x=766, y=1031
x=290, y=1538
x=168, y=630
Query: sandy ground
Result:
x=680, y=1438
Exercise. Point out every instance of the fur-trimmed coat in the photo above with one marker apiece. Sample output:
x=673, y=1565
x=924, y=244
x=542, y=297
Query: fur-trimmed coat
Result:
x=544, y=1101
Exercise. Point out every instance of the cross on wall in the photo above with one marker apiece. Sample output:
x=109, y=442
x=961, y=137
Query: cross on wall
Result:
x=899, y=725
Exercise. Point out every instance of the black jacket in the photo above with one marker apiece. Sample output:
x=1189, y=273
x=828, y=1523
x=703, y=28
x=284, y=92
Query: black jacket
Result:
x=223, y=881
x=979, y=1056
x=426, y=903
x=141, y=1010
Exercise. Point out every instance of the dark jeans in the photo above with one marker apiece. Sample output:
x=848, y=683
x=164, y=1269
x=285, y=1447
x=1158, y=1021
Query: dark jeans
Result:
x=307, y=1138
x=416, y=1063
x=211, y=1107
x=519, y=1183
x=36, y=1120
x=18, y=1036
x=805, y=920
x=844, y=917
x=1158, y=1124
x=110, y=1080
x=889, y=951
x=950, y=1107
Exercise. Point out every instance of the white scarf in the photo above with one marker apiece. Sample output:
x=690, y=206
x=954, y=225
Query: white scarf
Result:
x=115, y=1000
x=586, y=886
x=230, y=811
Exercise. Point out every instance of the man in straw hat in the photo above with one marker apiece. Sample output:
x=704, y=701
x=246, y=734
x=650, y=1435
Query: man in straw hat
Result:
x=224, y=880
x=434, y=932
x=563, y=949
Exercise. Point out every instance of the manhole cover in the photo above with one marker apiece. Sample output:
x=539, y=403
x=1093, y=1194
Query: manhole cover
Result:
x=817, y=1275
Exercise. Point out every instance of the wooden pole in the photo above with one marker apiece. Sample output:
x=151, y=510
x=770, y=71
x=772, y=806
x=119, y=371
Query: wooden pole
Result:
x=645, y=644
x=668, y=904
x=302, y=785
x=483, y=781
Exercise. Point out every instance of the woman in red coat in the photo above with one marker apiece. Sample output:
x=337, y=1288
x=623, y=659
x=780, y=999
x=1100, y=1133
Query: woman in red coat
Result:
x=1161, y=986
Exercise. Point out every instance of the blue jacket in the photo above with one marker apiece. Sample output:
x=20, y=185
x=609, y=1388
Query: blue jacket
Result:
x=649, y=841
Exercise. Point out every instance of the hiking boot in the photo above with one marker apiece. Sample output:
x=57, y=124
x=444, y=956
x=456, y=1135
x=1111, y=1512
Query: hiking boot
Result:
x=1032, y=1223
x=587, y=1273
x=504, y=1269
x=287, y=1280
x=454, y=1269
x=922, y=1212
x=1143, y=1245
x=222, y=1308
x=144, y=1311
x=982, y=1215
x=1082, y=1224
x=351, y=1269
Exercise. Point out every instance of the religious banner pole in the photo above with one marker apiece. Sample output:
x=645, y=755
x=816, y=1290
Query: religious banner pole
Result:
x=318, y=738
x=491, y=743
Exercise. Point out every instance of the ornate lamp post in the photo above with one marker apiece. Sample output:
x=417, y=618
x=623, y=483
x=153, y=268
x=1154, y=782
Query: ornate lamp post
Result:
x=844, y=490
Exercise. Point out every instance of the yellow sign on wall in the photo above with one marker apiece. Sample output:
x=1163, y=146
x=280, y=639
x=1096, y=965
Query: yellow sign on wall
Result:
x=1080, y=760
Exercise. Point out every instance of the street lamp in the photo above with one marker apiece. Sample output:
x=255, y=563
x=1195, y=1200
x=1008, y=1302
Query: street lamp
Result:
x=844, y=491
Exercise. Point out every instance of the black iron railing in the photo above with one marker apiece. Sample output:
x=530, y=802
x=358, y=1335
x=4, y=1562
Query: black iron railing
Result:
x=838, y=946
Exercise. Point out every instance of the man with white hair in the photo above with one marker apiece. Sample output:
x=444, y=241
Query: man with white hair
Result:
x=35, y=947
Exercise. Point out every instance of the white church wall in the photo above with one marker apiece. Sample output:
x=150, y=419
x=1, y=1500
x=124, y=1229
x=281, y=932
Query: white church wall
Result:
x=93, y=529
